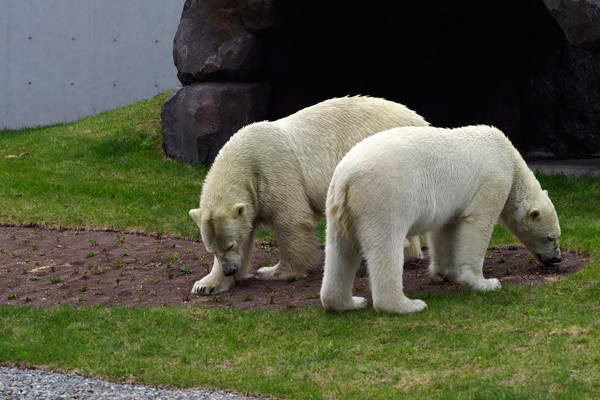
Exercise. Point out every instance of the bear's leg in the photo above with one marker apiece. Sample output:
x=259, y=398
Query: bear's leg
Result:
x=459, y=250
x=244, y=271
x=298, y=248
x=412, y=249
x=385, y=262
x=214, y=282
x=442, y=246
x=342, y=259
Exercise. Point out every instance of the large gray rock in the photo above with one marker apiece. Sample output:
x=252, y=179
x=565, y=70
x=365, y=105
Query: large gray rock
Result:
x=579, y=20
x=259, y=15
x=198, y=119
x=212, y=43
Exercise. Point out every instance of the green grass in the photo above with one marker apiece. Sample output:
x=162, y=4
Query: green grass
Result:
x=105, y=171
x=517, y=343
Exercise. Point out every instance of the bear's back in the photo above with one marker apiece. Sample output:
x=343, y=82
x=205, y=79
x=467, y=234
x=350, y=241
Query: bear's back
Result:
x=306, y=146
x=428, y=173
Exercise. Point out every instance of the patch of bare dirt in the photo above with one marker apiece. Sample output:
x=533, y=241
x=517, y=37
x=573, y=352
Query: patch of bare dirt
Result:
x=45, y=267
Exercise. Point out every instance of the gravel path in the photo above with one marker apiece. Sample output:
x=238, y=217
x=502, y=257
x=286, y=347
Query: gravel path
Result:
x=26, y=384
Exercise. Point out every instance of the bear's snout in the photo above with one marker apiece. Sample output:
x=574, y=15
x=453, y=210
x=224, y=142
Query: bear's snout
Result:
x=549, y=260
x=230, y=269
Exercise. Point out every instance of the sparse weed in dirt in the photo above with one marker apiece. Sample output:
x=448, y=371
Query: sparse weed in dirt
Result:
x=359, y=288
x=184, y=269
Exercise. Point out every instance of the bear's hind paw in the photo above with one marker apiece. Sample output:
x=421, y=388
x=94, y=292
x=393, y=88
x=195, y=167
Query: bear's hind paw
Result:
x=406, y=306
x=355, y=303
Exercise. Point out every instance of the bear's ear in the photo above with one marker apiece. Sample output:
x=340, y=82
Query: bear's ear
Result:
x=534, y=213
x=196, y=214
x=239, y=209
x=546, y=192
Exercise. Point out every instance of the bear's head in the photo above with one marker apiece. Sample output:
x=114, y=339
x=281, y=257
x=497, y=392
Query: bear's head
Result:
x=535, y=223
x=225, y=231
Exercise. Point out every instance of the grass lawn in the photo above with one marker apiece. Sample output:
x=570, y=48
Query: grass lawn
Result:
x=108, y=171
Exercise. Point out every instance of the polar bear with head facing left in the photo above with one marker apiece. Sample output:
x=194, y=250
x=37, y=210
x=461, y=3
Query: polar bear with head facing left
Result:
x=453, y=184
x=276, y=173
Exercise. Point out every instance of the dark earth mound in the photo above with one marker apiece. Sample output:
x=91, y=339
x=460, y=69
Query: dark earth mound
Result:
x=45, y=267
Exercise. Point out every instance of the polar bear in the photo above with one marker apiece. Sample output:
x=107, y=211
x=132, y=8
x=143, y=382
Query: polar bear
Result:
x=453, y=184
x=277, y=173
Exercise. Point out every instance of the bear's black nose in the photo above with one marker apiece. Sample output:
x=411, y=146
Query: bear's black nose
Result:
x=548, y=260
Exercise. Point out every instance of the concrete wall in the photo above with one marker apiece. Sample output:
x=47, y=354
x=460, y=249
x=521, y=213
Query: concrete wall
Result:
x=61, y=60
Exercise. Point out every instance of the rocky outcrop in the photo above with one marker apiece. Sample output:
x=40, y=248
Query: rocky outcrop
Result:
x=506, y=63
x=198, y=119
x=215, y=40
x=579, y=20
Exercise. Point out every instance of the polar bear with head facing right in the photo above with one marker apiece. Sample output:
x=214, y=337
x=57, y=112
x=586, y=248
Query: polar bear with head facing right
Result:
x=453, y=184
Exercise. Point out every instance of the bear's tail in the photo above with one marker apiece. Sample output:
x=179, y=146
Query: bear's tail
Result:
x=337, y=207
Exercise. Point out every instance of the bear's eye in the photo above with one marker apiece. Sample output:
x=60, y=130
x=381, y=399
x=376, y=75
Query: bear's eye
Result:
x=550, y=238
x=229, y=248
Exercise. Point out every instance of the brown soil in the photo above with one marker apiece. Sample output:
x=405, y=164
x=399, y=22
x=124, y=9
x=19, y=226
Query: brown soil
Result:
x=45, y=267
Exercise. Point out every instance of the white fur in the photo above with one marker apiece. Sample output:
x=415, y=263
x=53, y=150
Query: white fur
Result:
x=278, y=173
x=452, y=183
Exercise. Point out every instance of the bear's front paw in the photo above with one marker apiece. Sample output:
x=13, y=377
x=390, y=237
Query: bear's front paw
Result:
x=278, y=272
x=491, y=284
x=210, y=285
